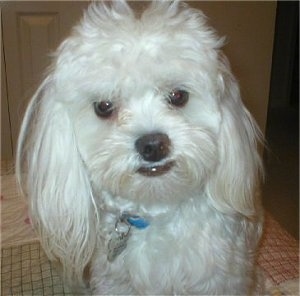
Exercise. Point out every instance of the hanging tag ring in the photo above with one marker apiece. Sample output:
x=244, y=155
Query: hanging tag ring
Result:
x=122, y=223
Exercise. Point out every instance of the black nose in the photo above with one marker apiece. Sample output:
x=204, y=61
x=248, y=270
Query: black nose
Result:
x=153, y=147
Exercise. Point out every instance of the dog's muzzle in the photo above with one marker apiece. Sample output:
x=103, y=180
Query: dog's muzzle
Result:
x=153, y=148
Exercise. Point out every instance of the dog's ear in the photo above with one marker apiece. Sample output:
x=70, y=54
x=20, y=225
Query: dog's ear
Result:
x=234, y=186
x=53, y=176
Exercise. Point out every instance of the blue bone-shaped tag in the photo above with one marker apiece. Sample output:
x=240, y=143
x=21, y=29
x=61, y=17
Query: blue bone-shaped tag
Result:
x=137, y=222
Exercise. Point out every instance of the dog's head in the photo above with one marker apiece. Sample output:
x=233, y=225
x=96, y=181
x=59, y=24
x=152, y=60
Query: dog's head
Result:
x=143, y=108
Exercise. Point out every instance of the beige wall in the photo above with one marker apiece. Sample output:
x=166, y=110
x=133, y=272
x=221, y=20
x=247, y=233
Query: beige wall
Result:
x=249, y=27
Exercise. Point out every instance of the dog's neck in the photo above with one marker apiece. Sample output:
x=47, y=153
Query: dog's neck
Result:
x=117, y=205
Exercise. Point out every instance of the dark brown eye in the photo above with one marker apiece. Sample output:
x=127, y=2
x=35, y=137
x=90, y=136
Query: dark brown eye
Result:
x=104, y=109
x=178, y=98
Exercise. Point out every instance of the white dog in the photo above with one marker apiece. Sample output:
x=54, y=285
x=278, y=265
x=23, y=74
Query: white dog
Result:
x=140, y=157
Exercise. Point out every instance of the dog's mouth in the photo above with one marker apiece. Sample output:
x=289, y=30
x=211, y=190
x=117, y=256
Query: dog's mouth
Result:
x=155, y=170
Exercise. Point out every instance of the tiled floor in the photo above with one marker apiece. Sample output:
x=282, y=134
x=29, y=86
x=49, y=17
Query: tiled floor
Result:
x=281, y=188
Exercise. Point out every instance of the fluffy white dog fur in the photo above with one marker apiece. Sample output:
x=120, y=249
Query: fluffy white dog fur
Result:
x=84, y=169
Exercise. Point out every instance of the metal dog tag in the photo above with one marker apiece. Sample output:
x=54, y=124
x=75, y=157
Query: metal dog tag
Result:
x=118, y=242
x=116, y=246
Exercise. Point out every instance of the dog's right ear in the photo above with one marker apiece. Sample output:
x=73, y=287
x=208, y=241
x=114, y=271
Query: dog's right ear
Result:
x=53, y=177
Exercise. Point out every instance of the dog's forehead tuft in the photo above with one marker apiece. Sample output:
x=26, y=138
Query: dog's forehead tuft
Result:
x=110, y=47
x=162, y=24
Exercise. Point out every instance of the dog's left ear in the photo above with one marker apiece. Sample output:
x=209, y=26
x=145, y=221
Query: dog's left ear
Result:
x=233, y=187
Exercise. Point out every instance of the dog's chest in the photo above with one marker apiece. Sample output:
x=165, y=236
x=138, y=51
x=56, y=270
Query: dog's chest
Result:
x=162, y=243
x=172, y=240
x=185, y=253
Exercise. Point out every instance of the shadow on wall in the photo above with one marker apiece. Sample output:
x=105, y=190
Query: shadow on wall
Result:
x=281, y=189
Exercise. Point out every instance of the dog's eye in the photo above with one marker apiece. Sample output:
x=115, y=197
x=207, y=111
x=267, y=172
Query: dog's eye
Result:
x=178, y=98
x=104, y=109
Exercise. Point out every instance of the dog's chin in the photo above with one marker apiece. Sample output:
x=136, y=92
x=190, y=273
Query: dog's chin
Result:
x=167, y=181
x=155, y=170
